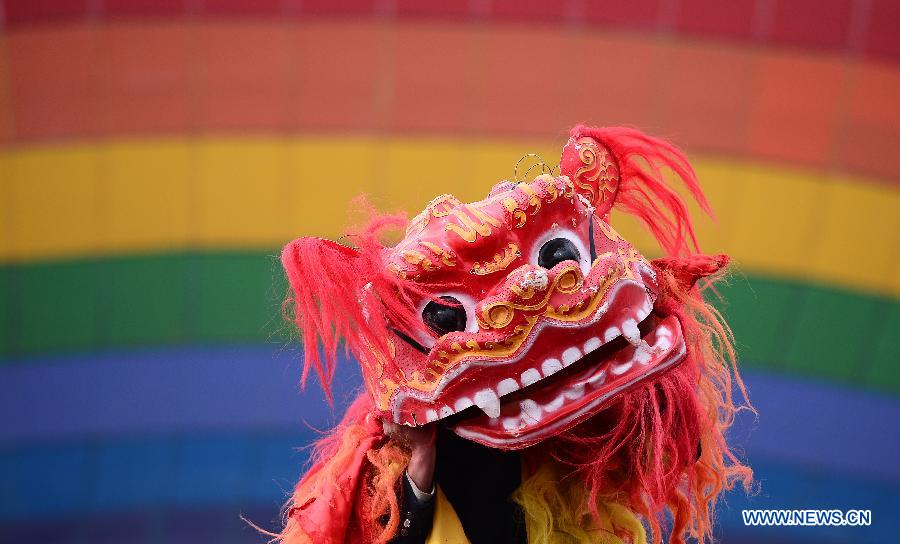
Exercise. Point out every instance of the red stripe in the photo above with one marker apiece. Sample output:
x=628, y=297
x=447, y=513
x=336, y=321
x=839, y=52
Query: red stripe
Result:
x=884, y=30
x=730, y=19
x=820, y=24
x=814, y=24
x=262, y=76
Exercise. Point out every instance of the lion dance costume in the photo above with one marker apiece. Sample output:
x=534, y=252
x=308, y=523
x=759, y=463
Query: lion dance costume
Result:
x=524, y=323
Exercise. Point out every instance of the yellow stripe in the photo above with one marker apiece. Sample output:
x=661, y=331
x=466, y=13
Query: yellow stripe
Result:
x=181, y=193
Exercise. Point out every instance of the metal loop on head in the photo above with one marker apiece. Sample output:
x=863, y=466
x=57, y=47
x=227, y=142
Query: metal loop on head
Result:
x=539, y=161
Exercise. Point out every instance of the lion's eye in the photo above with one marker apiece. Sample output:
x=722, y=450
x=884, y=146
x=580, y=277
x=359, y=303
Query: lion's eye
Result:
x=556, y=251
x=444, y=318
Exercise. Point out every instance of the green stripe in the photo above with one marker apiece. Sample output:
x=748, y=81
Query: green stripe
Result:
x=136, y=301
x=214, y=297
x=814, y=331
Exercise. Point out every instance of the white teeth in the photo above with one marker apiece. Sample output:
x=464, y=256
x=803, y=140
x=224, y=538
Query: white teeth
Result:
x=530, y=410
x=611, y=334
x=571, y=355
x=513, y=423
x=620, y=369
x=530, y=376
x=643, y=353
x=592, y=344
x=462, y=404
x=487, y=400
x=631, y=332
x=644, y=311
x=507, y=386
x=446, y=411
x=552, y=366
x=663, y=343
x=575, y=392
x=555, y=404
x=598, y=378
x=431, y=415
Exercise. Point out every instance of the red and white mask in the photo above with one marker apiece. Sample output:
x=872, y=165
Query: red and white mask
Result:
x=534, y=314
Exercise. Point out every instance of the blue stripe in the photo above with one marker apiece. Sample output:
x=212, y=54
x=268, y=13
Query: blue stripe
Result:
x=820, y=425
x=249, y=388
x=95, y=487
x=89, y=445
x=164, y=390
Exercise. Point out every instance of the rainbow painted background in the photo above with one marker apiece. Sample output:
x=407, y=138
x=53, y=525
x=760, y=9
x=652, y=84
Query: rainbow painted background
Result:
x=154, y=155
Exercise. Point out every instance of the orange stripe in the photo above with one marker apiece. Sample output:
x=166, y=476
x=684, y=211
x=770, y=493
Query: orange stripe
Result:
x=182, y=76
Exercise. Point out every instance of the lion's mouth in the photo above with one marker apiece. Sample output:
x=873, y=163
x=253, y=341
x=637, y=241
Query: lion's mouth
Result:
x=563, y=374
x=591, y=379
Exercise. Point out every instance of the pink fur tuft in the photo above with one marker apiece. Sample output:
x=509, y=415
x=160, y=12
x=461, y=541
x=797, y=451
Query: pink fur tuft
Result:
x=342, y=293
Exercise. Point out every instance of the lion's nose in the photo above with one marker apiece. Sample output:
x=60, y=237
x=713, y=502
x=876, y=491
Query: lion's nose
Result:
x=535, y=279
x=528, y=290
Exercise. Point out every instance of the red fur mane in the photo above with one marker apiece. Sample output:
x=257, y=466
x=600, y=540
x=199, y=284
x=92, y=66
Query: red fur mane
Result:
x=345, y=294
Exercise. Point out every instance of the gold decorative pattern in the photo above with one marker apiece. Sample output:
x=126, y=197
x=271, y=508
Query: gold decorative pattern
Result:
x=567, y=281
x=533, y=199
x=446, y=257
x=544, y=188
x=501, y=260
x=416, y=258
x=469, y=229
x=609, y=232
x=510, y=345
x=550, y=185
x=383, y=388
x=395, y=270
x=501, y=349
x=513, y=207
x=597, y=170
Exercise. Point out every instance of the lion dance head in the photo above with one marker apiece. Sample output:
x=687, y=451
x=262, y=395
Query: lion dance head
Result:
x=525, y=321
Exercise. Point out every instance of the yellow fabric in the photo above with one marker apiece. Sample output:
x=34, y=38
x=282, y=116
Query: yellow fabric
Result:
x=446, y=529
x=556, y=513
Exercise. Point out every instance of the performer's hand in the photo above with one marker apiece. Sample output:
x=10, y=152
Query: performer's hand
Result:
x=421, y=442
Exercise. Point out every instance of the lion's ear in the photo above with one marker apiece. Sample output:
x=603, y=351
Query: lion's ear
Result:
x=323, y=296
x=345, y=295
x=625, y=168
x=687, y=271
x=593, y=170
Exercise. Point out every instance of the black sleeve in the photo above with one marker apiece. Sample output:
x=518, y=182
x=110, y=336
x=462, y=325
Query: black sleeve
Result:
x=416, y=517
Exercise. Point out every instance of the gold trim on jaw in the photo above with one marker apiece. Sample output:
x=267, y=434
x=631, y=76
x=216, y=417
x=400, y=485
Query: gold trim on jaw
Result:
x=382, y=387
